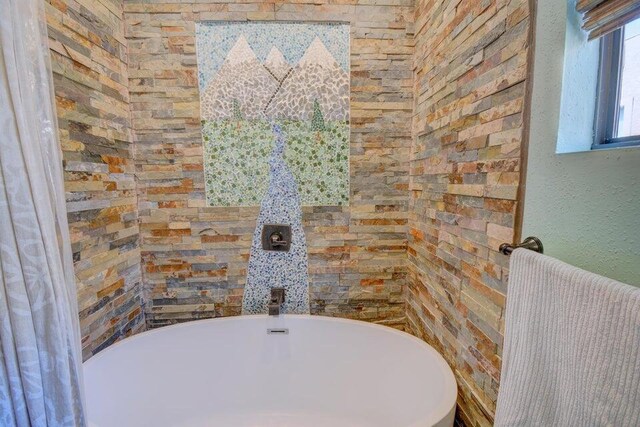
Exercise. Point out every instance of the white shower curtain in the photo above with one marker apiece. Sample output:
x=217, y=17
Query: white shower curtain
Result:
x=40, y=356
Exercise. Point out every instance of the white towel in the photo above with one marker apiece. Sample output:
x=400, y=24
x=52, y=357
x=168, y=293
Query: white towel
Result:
x=572, y=347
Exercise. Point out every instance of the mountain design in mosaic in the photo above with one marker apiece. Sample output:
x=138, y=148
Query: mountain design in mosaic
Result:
x=243, y=83
x=267, y=74
x=317, y=78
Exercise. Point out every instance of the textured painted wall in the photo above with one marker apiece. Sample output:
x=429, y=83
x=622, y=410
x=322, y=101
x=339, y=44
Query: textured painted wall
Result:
x=89, y=60
x=194, y=256
x=596, y=208
x=470, y=72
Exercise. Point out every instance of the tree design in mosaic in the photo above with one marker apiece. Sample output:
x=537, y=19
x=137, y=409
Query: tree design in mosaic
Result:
x=254, y=73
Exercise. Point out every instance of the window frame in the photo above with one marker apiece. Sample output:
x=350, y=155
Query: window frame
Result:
x=608, y=94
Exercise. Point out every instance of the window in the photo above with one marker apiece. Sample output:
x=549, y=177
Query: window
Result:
x=617, y=121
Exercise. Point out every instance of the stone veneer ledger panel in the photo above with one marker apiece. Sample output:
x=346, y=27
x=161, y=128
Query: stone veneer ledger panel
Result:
x=90, y=77
x=471, y=69
x=195, y=256
x=119, y=81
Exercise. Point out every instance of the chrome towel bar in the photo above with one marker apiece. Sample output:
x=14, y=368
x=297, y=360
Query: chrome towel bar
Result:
x=531, y=243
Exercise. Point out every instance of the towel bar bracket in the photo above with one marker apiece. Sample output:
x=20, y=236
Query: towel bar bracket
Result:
x=531, y=243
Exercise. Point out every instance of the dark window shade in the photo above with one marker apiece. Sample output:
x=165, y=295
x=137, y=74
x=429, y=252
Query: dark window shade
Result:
x=601, y=17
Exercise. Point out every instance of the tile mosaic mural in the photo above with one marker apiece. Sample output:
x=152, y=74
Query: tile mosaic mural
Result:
x=251, y=72
x=270, y=269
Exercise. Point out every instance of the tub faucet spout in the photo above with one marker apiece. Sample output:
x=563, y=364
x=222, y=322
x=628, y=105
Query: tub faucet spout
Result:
x=277, y=298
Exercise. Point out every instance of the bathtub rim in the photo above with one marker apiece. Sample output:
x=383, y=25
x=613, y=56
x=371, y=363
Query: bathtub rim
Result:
x=450, y=388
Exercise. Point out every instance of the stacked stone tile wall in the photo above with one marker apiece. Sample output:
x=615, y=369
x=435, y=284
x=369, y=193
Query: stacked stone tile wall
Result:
x=89, y=62
x=195, y=257
x=436, y=134
x=470, y=76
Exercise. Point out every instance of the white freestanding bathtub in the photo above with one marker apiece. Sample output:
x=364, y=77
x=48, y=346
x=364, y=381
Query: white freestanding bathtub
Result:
x=311, y=371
